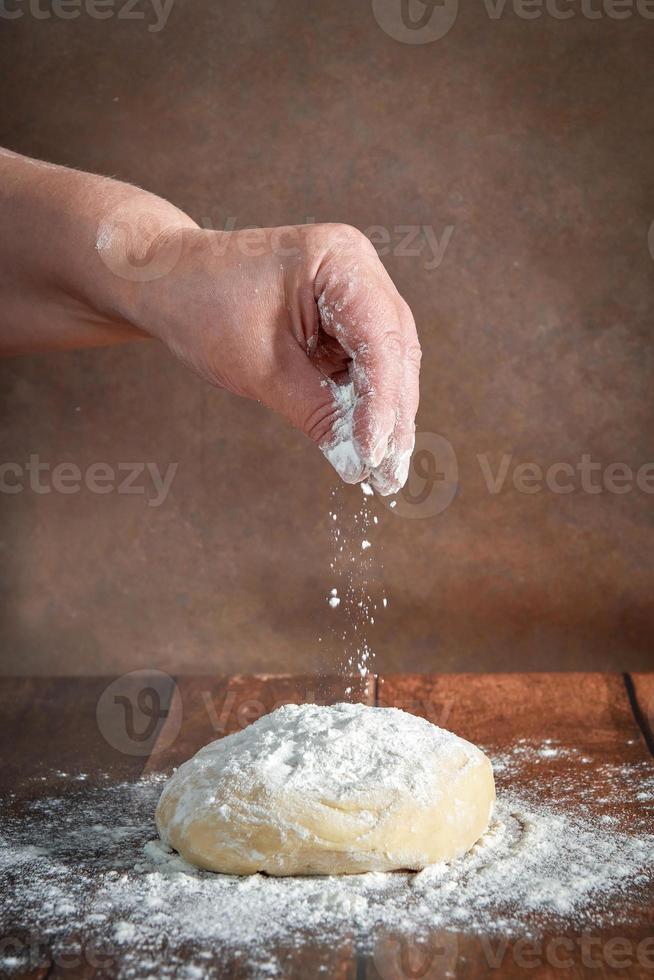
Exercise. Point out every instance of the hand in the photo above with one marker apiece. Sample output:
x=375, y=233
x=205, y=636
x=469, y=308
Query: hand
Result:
x=306, y=320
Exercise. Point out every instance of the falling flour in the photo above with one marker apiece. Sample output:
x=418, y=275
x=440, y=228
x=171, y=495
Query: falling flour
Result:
x=82, y=869
x=356, y=564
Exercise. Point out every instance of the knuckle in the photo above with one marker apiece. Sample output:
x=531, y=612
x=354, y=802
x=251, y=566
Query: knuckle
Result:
x=390, y=343
x=347, y=232
x=319, y=422
x=343, y=236
x=414, y=354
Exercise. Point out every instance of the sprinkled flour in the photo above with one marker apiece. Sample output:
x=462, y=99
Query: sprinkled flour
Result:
x=340, y=789
x=356, y=564
x=83, y=869
x=344, y=752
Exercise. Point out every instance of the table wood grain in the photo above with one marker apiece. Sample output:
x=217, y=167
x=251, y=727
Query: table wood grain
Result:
x=51, y=726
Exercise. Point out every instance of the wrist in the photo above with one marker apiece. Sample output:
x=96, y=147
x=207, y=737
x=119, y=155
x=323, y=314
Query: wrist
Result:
x=139, y=240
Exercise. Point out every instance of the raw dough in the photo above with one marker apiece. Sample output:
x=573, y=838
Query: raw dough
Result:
x=328, y=790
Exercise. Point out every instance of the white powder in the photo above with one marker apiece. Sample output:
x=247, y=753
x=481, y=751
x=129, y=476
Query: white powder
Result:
x=347, y=752
x=392, y=476
x=549, y=860
x=351, y=533
x=340, y=449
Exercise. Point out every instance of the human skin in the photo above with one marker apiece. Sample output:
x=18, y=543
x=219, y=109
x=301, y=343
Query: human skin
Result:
x=280, y=315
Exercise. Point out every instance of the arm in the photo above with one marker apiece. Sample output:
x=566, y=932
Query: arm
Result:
x=304, y=318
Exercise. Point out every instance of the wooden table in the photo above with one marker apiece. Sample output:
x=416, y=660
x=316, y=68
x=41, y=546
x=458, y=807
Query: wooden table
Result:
x=147, y=722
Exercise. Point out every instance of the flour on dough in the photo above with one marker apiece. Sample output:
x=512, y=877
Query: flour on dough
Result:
x=309, y=789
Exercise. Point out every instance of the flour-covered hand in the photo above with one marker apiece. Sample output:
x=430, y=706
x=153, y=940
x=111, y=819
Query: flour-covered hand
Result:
x=303, y=318
x=306, y=320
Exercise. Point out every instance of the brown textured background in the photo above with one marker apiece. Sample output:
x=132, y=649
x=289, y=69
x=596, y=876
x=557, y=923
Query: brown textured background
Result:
x=535, y=140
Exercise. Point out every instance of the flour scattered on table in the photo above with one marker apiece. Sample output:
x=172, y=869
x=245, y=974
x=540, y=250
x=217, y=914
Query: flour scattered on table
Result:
x=81, y=871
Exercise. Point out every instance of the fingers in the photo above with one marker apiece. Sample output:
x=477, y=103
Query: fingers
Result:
x=321, y=408
x=349, y=376
x=376, y=373
x=391, y=475
x=340, y=447
x=360, y=307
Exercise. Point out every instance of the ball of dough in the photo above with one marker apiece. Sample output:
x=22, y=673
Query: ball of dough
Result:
x=309, y=789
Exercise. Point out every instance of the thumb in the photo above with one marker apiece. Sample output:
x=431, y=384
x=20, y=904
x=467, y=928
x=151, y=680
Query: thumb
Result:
x=321, y=408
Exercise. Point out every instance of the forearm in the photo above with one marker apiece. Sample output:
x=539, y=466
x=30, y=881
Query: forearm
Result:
x=304, y=319
x=74, y=253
